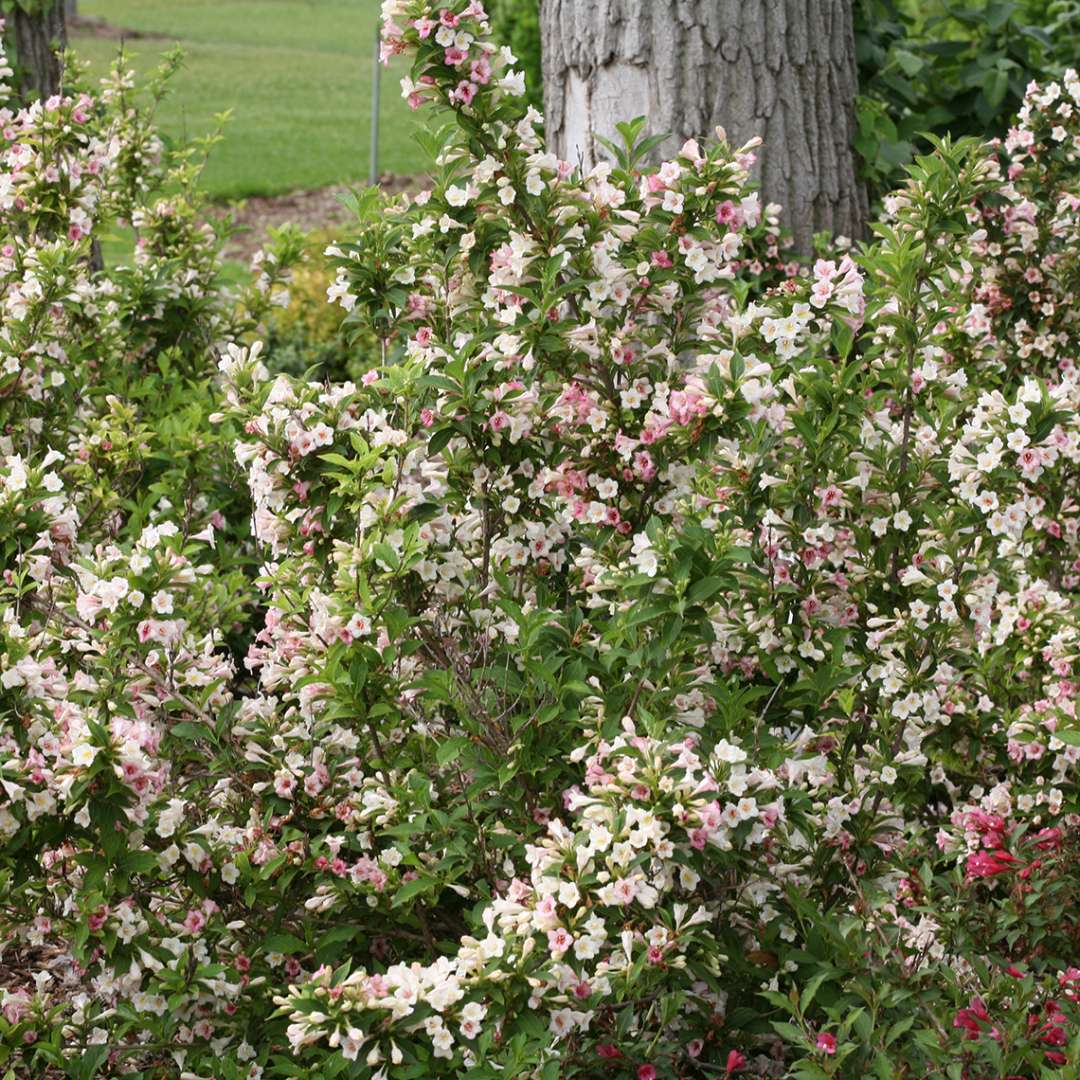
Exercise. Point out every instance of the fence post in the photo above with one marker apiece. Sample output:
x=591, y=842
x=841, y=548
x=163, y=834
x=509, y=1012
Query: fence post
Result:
x=373, y=171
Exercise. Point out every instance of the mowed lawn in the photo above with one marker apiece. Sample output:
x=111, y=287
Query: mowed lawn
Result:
x=297, y=75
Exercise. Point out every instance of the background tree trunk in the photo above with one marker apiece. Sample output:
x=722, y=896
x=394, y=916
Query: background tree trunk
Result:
x=38, y=37
x=781, y=69
x=71, y=8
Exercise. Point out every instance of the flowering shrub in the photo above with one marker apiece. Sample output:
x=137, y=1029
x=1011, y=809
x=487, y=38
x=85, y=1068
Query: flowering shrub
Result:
x=651, y=665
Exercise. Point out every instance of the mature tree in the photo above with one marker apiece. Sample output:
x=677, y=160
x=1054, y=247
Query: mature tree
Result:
x=40, y=35
x=782, y=69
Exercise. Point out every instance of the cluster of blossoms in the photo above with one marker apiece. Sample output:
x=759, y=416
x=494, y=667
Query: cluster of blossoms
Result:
x=654, y=664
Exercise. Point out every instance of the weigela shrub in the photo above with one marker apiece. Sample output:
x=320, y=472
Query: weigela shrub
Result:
x=652, y=665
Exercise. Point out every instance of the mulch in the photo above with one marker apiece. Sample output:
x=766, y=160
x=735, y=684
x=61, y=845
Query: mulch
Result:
x=319, y=209
x=83, y=24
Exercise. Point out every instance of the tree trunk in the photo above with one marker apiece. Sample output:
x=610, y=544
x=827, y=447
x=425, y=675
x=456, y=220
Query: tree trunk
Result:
x=781, y=69
x=39, y=37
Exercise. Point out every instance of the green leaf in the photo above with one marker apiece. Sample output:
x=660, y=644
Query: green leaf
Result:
x=387, y=556
x=191, y=731
x=812, y=988
x=283, y=943
x=995, y=86
x=704, y=588
x=450, y=750
x=899, y=1028
x=998, y=14
x=909, y=63
x=793, y=1034
x=91, y=1060
x=329, y=941
x=412, y=889
x=438, y=440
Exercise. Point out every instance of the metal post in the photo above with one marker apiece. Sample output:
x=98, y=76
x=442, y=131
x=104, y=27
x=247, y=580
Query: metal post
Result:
x=373, y=171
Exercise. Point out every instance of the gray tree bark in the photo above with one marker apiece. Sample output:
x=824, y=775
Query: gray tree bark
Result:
x=39, y=36
x=781, y=69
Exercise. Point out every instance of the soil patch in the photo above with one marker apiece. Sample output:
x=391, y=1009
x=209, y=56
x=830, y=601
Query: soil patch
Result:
x=83, y=24
x=311, y=210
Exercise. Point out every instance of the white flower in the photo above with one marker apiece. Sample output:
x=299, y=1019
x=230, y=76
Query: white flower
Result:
x=162, y=603
x=562, y=1022
x=513, y=82
x=84, y=754
x=673, y=202
x=16, y=479
x=647, y=562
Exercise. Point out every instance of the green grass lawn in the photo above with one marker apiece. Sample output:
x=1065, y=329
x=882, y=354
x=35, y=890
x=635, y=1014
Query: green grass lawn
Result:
x=296, y=73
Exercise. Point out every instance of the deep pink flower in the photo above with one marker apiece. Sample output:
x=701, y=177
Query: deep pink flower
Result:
x=966, y=1021
x=826, y=1042
x=984, y=864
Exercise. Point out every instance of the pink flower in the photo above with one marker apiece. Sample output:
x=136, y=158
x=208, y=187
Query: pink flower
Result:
x=735, y=1061
x=826, y=1042
x=726, y=213
x=465, y=92
x=560, y=939
x=646, y=1072
x=1048, y=839
x=194, y=921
